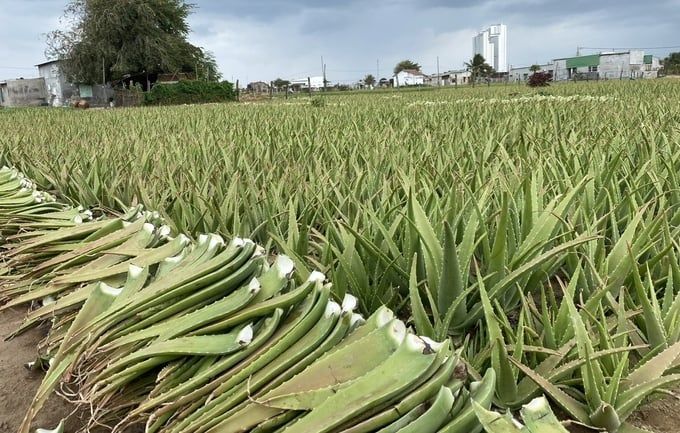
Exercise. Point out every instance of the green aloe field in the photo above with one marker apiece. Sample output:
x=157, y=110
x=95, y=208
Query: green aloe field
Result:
x=534, y=234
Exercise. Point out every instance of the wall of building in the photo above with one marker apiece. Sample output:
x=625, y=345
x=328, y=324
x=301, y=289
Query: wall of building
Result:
x=523, y=73
x=3, y=94
x=60, y=92
x=404, y=78
x=492, y=44
x=30, y=92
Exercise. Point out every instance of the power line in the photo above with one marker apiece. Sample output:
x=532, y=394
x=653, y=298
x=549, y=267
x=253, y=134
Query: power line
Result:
x=16, y=67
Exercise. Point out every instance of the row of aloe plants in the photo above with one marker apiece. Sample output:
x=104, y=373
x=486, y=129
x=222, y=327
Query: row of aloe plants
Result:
x=153, y=329
x=596, y=359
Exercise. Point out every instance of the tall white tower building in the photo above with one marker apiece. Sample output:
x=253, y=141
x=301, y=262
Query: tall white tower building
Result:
x=492, y=43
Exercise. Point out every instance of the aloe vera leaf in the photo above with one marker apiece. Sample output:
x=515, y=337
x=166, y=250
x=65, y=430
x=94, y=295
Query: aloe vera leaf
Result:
x=404, y=367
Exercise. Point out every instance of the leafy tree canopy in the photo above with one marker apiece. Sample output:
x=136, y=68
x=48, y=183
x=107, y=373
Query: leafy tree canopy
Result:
x=671, y=64
x=406, y=64
x=369, y=80
x=279, y=82
x=535, y=68
x=128, y=37
x=478, y=68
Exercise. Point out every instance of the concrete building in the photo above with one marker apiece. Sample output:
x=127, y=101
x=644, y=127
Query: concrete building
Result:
x=30, y=92
x=60, y=92
x=449, y=78
x=409, y=77
x=492, y=44
x=608, y=65
x=258, y=87
x=522, y=73
x=316, y=83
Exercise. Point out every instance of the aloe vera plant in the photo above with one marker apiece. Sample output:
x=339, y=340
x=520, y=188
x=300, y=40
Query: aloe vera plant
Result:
x=483, y=236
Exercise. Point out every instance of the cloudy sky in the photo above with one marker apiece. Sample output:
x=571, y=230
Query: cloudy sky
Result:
x=265, y=39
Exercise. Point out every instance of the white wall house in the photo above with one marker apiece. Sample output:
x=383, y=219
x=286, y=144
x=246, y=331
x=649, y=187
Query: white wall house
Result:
x=409, y=77
x=316, y=83
x=608, y=66
x=492, y=44
x=449, y=78
x=58, y=89
x=522, y=73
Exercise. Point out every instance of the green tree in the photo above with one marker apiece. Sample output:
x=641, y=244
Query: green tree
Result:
x=535, y=68
x=128, y=37
x=478, y=68
x=671, y=64
x=369, y=80
x=406, y=64
x=280, y=83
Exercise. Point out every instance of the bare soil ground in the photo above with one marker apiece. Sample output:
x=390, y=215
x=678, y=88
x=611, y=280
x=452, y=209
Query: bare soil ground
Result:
x=18, y=385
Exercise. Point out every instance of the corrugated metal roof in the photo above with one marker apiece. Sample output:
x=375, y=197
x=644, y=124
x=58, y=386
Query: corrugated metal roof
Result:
x=583, y=61
x=47, y=63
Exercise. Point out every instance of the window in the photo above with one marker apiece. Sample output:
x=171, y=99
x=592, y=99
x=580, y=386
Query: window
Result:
x=592, y=68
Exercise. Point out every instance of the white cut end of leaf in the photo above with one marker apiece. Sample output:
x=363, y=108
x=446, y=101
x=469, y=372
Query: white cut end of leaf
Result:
x=316, y=277
x=48, y=300
x=431, y=343
x=183, y=239
x=217, y=239
x=414, y=343
x=357, y=319
x=112, y=291
x=245, y=336
x=135, y=271
x=78, y=219
x=349, y=303
x=50, y=363
x=285, y=266
x=238, y=242
x=383, y=316
x=148, y=228
x=202, y=238
x=332, y=309
x=397, y=331
x=59, y=429
x=254, y=285
x=537, y=404
x=174, y=259
x=164, y=231
x=517, y=424
x=474, y=386
x=259, y=251
x=30, y=365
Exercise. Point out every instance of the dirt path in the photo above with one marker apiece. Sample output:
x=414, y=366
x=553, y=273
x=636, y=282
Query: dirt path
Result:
x=18, y=385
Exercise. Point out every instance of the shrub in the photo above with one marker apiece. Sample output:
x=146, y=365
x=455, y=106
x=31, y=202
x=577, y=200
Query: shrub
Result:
x=539, y=79
x=190, y=92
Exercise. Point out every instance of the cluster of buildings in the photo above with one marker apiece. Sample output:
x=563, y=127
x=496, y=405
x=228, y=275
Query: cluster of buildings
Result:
x=492, y=44
x=51, y=88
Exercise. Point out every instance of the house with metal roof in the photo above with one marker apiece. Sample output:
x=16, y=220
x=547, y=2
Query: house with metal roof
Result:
x=607, y=65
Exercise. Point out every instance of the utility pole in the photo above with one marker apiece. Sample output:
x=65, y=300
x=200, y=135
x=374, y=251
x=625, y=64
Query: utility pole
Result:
x=377, y=68
x=439, y=77
x=578, y=51
x=323, y=73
